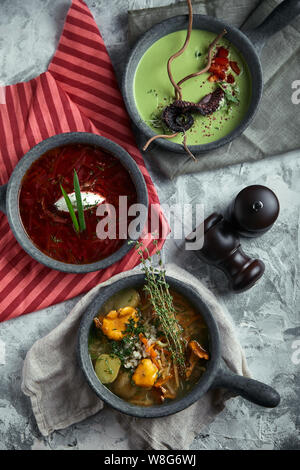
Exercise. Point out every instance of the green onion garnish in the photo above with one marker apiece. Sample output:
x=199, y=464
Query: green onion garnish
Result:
x=71, y=209
x=79, y=202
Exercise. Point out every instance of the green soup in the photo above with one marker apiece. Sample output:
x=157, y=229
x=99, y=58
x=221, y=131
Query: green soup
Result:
x=153, y=89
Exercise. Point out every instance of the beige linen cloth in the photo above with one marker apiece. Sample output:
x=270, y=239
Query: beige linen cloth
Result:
x=60, y=395
x=275, y=128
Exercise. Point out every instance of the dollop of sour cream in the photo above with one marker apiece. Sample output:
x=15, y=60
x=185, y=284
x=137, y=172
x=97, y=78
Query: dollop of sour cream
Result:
x=89, y=200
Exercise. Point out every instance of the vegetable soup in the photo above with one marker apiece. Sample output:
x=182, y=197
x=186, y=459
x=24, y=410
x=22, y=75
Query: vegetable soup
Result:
x=134, y=355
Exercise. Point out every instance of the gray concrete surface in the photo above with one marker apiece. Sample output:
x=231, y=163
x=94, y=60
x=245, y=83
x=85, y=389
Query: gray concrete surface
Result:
x=267, y=317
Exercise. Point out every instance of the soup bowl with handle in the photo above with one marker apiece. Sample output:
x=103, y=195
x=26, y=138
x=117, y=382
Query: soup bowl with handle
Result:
x=217, y=375
x=9, y=197
x=249, y=44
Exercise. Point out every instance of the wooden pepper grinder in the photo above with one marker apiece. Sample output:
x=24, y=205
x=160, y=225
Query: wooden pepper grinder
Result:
x=254, y=210
x=222, y=249
x=252, y=213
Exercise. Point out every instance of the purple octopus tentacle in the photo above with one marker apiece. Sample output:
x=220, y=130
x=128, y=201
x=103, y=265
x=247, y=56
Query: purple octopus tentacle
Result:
x=177, y=116
x=211, y=102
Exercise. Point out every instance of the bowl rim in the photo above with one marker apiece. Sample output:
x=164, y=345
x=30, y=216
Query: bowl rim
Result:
x=14, y=185
x=165, y=409
x=178, y=23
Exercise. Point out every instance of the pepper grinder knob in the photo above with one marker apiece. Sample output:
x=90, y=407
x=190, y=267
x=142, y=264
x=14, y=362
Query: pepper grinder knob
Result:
x=254, y=210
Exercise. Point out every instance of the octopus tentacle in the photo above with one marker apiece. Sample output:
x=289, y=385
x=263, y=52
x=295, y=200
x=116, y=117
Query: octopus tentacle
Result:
x=211, y=102
x=177, y=116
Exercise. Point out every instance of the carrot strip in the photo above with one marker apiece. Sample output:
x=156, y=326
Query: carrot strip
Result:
x=166, y=352
x=149, y=349
x=162, y=381
x=143, y=339
x=155, y=362
x=153, y=355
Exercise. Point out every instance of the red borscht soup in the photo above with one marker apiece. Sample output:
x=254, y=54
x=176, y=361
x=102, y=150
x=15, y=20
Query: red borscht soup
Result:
x=50, y=227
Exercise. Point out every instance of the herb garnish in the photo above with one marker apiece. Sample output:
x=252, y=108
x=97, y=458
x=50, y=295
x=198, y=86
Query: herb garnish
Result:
x=71, y=209
x=133, y=329
x=109, y=369
x=124, y=348
x=79, y=227
x=79, y=202
x=162, y=302
x=228, y=95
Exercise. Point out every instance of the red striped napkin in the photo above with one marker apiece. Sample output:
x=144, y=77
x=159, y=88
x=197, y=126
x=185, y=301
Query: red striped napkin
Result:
x=78, y=92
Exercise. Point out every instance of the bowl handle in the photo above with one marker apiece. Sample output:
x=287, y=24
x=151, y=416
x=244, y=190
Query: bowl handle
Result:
x=252, y=390
x=3, y=198
x=278, y=19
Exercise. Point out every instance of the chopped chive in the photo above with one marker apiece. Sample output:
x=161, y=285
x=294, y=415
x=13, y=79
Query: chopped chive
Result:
x=71, y=209
x=79, y=202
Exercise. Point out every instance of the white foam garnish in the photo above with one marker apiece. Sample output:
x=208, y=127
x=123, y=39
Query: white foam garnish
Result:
x=89, y=200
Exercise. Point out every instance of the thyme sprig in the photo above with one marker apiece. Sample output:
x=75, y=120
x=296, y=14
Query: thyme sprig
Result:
x=162, y=302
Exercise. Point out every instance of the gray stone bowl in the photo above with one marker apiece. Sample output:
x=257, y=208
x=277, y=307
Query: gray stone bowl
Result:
x=9, y=197
x=217, y=374
x=249, y=44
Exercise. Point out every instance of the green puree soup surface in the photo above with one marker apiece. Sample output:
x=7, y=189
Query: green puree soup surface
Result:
x=153, y=89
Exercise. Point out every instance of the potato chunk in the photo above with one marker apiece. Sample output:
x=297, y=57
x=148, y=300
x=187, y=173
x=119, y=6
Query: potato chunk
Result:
x=125, y=298
x=114, y=324
x=145, y=374
x=107, y=368
x=123, y=387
